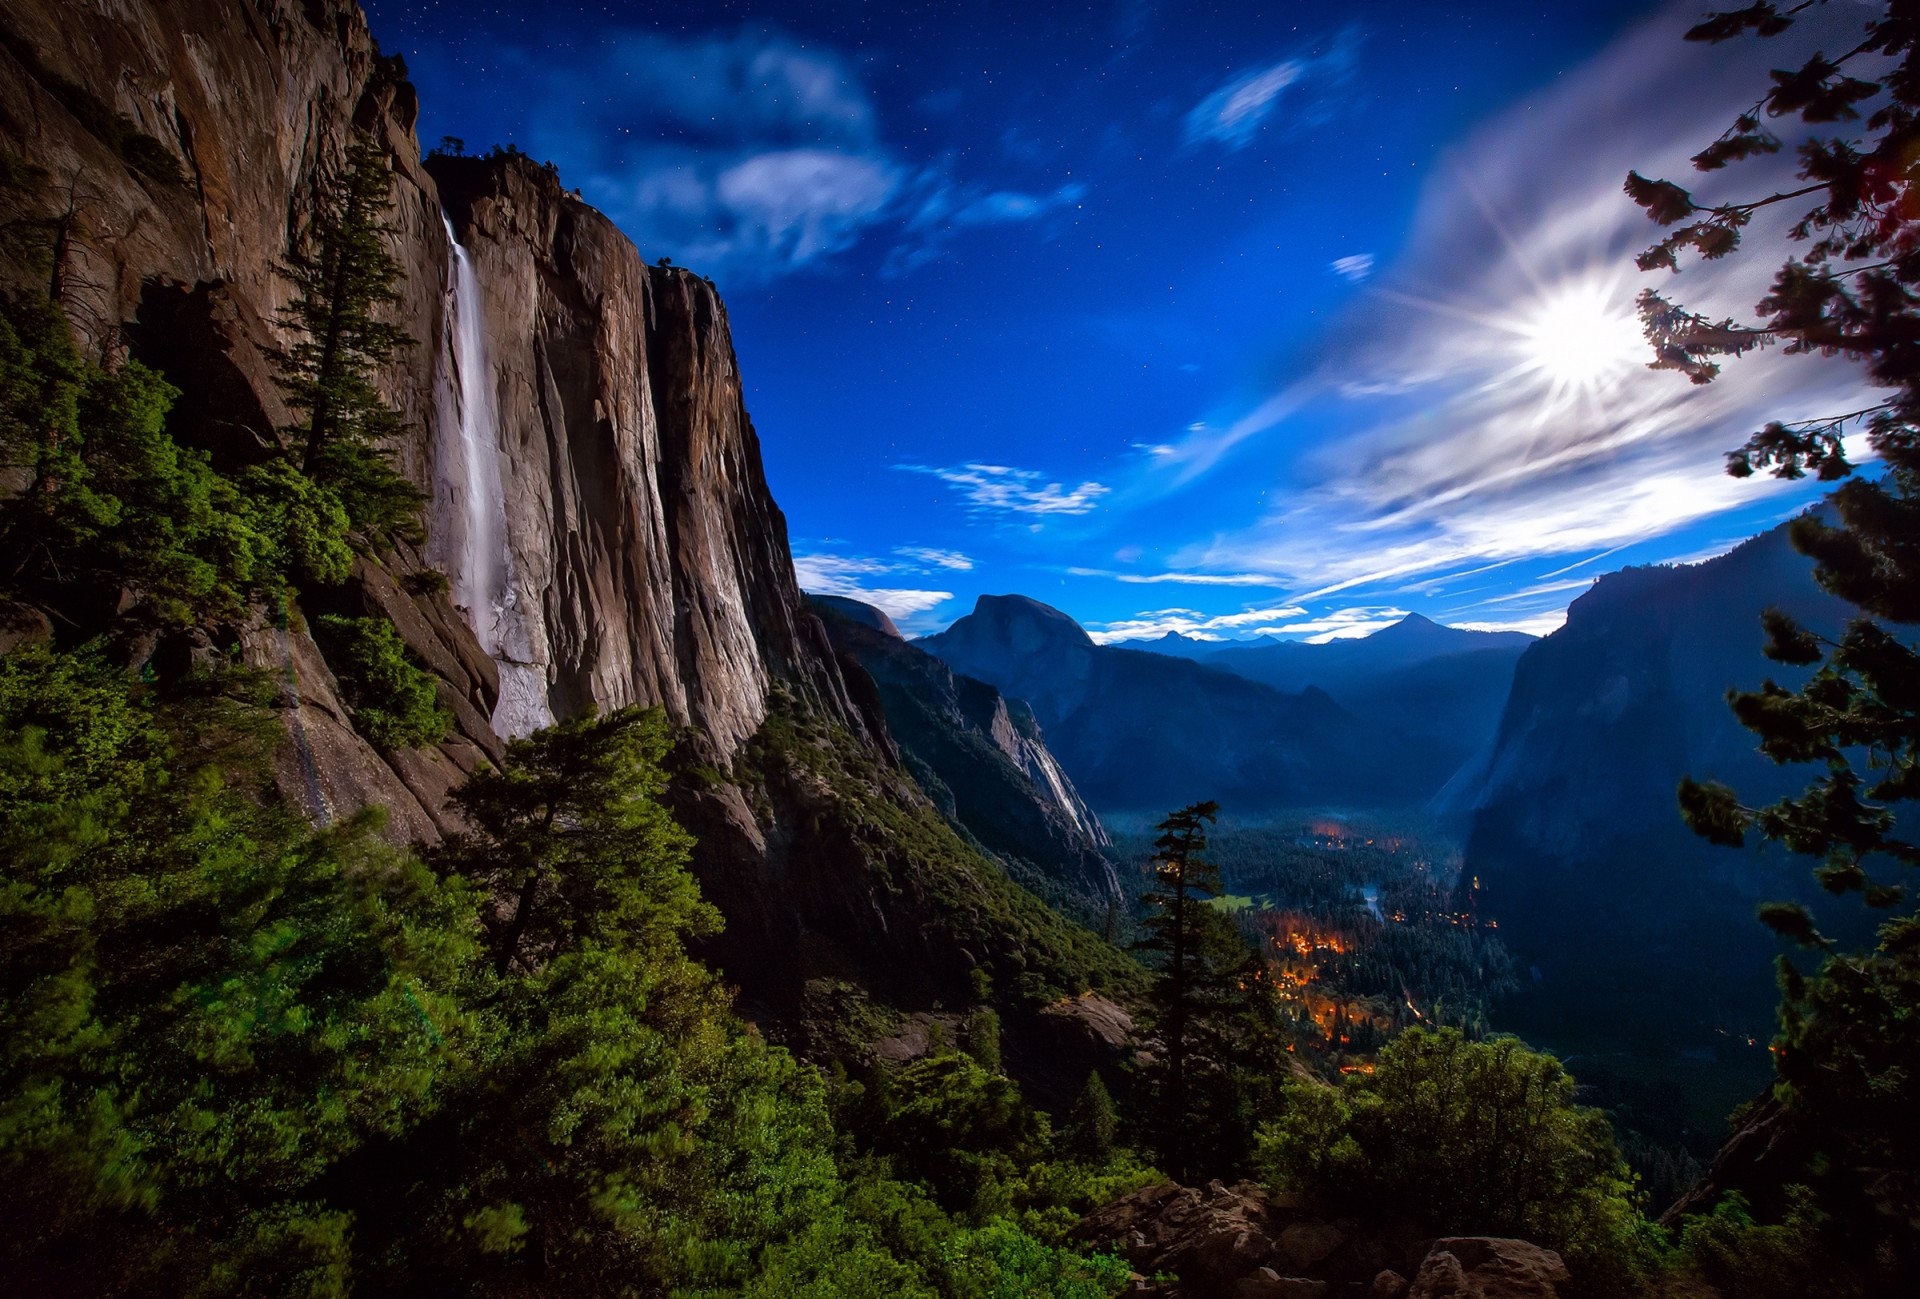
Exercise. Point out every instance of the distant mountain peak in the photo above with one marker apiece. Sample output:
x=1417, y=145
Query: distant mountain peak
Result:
x=1022, y=621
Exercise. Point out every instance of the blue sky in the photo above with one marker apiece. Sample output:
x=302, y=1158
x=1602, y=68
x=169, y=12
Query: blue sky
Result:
x=1235, y=319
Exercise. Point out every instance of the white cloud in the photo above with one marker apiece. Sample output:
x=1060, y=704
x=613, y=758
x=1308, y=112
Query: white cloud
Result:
x=1191, y=622
x=1337, y=624
x=1234, y=112
x=1185, y=579
x=1355, y=266
x=1002, y=488
x=1232, y=115
x=800, y=203
x=935, y=558
x=846, y=576
x=1539, y=624
x=751, y=155
x=945, y=208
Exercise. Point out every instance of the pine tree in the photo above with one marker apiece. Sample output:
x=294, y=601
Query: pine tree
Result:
x=344, y=282
x=1216, y=1022
x=1175, y=932
x=572, y=837
x=1092, y=1123
x=1849, y=1053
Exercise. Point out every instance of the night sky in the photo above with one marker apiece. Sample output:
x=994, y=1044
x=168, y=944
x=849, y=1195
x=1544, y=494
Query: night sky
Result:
x=1237, y=319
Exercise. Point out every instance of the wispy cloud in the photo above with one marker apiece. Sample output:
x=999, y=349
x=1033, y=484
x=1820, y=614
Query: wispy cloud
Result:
x=1192, y=623
x=1005, y=489
x=934, y=558
x=752, y=155
x=940, y=209
x=1354, y=267
x=1539, y=624
x=1232, y=115
x=1183, y=579
x=1503, y=421
x=851, y=577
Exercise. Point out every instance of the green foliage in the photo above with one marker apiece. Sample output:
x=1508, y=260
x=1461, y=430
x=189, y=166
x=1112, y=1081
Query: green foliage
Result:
x=1730, y=1252
x=393, y=700
x=241, y=1057
x=343, y=281
x=983, y=1038
x=1469, y=1138
x=110, y=500
x=1092, y=1123
x=205, y=1005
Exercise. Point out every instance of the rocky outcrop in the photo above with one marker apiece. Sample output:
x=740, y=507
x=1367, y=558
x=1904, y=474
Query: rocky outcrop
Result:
x=982, y=758
x=1488, y=1267
x=1242, y=1242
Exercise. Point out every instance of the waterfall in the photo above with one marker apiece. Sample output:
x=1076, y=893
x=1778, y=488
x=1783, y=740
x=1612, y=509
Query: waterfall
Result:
x=469, y=537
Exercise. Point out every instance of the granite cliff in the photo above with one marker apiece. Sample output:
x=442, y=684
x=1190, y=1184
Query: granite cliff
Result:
x=576, y=418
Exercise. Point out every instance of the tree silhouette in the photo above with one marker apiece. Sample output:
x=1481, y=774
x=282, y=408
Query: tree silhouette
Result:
x=1848, y=1057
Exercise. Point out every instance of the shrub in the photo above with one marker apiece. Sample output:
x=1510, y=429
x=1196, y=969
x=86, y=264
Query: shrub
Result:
x=1476, y=1138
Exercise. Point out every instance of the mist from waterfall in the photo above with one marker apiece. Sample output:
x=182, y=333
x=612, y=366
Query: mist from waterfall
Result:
x=469, y=537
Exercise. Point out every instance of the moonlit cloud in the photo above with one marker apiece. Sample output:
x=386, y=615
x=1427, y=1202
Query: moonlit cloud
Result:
x=1233, y=115
x=933, y=558
x=753, y=156
x=850, y=576
x=945, y=209
x=1004, y=489
x=1494, y=402
x=1540, y=624
x=1185, y=579
x=1355, y=266
x=1192, y=623
x=1336, y=624
x=1234, y=112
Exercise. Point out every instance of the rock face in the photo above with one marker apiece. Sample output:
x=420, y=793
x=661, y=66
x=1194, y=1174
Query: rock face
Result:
x=982, y=759
x=1147, y=732
x=647, y=549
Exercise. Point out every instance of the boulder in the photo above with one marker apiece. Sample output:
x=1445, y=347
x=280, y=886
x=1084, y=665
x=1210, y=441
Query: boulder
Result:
x=1229, y=1242
x=1389, y=1284
x=1488, y=1267
x=1268, y=1284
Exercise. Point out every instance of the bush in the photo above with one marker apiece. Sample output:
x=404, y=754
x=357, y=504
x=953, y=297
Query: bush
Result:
x=1471, y=1138
x=393, y=700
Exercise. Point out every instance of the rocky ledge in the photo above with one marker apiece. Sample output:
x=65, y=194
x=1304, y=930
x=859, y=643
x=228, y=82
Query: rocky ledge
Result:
x=1241, y=1242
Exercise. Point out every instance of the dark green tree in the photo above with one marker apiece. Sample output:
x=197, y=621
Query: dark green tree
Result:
x=1848, y=1056
x=1176, y=932
x=393, y=698
x=1092, y=1123
x=572, y=838
x=344, y=281
x=1213, y=1020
